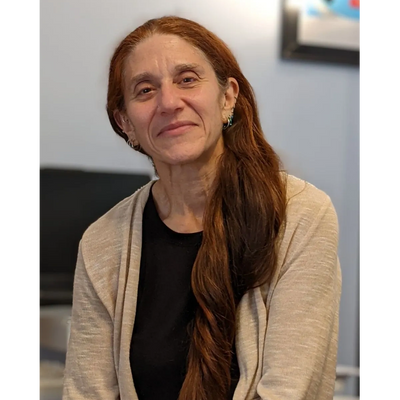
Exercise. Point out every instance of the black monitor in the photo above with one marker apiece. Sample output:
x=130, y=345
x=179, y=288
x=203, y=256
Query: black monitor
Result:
x=70, y=200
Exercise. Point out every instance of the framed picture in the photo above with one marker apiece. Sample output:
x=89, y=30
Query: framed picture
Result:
x=321, y=30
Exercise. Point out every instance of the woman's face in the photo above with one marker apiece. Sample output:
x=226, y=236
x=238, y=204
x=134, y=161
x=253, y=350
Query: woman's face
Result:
x=175, y=107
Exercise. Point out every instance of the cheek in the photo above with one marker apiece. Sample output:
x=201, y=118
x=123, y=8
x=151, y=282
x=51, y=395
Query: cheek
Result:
x=140, y=119
x=210, y=111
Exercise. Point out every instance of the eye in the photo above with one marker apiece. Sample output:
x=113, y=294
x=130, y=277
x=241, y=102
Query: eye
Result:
x=145, y=90
x=188, y=79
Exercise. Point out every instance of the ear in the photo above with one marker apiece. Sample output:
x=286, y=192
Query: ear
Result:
x=230, y=96
x=124, y=123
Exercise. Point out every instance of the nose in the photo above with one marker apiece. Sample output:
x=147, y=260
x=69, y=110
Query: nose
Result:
x=169, y=99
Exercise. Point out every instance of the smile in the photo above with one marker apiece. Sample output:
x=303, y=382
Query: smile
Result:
x=177, y=128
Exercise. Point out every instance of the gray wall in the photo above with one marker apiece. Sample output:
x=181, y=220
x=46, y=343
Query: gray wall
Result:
x=309, y=112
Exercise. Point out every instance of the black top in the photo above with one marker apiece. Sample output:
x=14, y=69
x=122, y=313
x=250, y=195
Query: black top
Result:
x=165, y=307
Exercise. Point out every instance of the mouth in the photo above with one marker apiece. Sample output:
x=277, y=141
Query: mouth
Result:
x=176, y=128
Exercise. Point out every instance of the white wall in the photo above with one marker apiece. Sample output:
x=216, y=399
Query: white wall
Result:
x=309, y=112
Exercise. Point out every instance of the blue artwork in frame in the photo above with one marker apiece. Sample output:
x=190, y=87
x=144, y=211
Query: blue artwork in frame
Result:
x=321, y=30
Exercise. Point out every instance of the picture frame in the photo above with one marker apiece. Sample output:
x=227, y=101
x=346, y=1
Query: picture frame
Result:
x=293, y=48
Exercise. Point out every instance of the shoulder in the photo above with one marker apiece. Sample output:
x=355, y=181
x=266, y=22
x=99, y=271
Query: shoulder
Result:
x=104, y=248
x=307, y=205
x=311, y=226
x=107, y=233
x=301, y=193
x=310, y=235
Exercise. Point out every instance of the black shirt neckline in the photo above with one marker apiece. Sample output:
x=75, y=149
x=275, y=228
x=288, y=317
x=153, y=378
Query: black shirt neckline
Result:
x=166, y=233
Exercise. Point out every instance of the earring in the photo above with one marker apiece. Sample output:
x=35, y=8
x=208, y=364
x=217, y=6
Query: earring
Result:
x=230, y=120
x=135, y=146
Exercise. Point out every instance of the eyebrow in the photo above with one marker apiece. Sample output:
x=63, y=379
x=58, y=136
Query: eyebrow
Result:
x=146, y=76
x=185, y=67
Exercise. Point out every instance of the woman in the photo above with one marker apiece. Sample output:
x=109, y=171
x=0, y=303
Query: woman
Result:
x=220, y=279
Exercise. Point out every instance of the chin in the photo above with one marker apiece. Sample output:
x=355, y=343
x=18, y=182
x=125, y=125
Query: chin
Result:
x=182, y=153
x=184, y=158
x=181, y=158
x=188, y=152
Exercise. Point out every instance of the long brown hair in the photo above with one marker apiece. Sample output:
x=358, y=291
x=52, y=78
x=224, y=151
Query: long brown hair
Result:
x=242, y=219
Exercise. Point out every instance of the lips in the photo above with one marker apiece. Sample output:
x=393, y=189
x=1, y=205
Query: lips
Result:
x=175, y=126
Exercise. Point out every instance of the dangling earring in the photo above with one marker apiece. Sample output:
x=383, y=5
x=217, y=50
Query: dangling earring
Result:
x=135, y=146
x=230, y=120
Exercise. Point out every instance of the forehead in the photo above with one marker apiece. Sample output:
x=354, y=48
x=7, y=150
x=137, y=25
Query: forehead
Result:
x=164, y=52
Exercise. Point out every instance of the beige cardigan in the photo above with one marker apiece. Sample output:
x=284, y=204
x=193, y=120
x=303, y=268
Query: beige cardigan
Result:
x=287, y=333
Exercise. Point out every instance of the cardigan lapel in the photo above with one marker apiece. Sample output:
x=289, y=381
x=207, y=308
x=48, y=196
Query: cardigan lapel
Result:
x=128, y=291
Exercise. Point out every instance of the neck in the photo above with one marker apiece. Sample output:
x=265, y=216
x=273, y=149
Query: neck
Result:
x=181, y=194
